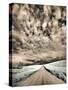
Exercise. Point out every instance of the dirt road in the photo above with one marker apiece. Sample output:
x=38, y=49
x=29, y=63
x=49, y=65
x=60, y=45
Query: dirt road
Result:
x=41, y=77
